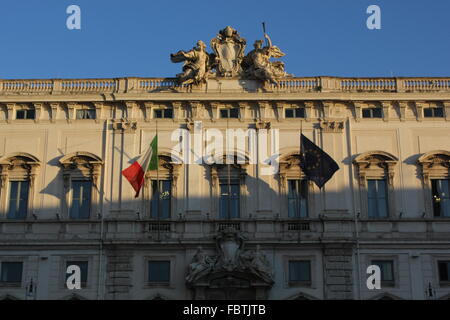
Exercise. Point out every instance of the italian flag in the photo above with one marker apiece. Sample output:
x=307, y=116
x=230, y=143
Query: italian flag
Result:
x=146, y=162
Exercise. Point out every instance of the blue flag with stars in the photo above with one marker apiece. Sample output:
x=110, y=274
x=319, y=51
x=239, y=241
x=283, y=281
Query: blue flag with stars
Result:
x=316, y=164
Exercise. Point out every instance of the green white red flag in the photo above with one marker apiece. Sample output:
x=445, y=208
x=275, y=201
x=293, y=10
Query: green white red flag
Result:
x=148, y=161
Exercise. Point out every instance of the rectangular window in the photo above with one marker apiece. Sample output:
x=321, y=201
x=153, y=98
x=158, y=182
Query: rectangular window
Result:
x=377, y=198
x=18, y=199
x=297, y=198
x=11, y=272
x=387, y=272
x=433, y=112
x=162, y=207
x=444, y=271
x=229, y=199
x=229, y=113
x=86, y=114
x=80, y=207
x=294, y=113
x=163, y=114
x=25, y=114
x=83, y=270
x=159, y=272
x=440, y=189
x=372, y=113
x=300, y=272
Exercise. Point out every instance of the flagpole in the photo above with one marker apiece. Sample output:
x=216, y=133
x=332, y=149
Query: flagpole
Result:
x=228, y=169
x=324, y=202
x=157, y=181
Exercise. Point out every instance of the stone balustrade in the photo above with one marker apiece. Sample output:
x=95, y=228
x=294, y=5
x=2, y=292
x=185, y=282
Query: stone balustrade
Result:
x=306, y=84
x=199, y=230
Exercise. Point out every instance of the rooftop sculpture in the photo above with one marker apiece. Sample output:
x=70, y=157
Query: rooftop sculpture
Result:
x=228, y=60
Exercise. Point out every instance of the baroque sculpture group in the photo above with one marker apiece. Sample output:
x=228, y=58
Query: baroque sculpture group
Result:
x=228, y=60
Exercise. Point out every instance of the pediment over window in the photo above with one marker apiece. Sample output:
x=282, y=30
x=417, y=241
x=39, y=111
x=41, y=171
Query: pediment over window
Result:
x=19, y=158
x=19, y=165
x=80, y=158
x=168, y=168
x=375, y=164
x=435, y=163
x=81, y=165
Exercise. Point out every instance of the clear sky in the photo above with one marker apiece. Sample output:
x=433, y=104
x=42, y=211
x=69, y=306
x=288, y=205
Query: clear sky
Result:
x=120, y=38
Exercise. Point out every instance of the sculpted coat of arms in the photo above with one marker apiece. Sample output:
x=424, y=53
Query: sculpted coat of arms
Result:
x=229, y=49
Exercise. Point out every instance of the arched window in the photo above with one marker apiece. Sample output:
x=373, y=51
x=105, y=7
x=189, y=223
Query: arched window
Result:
x=435, y=166
x=295, y=189
x=160, y=189
x=228, y=187
x=18, y=175
x=81, y=171
x=376, y=182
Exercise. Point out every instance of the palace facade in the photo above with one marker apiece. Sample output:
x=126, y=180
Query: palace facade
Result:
x=231, y=230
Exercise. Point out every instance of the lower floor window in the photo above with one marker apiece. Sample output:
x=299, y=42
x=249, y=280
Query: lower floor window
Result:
x=83, y=265
x=300, y=272
x=444, y=271
x=387, y=272
x=159, y=272
x=11, y=272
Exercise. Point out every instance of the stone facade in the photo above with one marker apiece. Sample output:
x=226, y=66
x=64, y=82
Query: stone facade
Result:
x=93, y=129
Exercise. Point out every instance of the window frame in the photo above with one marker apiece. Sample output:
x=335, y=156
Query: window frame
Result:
x=172, y=275
x=86, y=111
x=26, y=111
x=371, y=112
x=433, y=112
x=304, y=184
x=84, y=284
x=163, y=113
x=386, y=198
x=18, y=167
x=12, y=283
x=434, y=165
x=70, y=204
x=294, y=110
x=229, y=110
x=386, y=283
x=64, y=259
x=443, y=283
x=80, y=166
x=433, y=195
x=153, y=193
x=8, y=202
x=314, y=265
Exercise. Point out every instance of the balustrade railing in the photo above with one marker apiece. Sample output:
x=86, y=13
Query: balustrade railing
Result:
x=149, y=85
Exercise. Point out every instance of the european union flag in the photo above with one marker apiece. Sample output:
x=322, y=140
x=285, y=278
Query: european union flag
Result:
x=316, y=164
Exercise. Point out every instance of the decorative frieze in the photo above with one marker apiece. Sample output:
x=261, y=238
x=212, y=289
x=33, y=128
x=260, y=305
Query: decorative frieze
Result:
x=124, y=125
x=332, y=126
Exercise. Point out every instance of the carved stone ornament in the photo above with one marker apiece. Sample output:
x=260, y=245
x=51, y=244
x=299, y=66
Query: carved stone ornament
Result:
x=197, y=63
x=230, y=258
x=125, y=125
x=229, y=49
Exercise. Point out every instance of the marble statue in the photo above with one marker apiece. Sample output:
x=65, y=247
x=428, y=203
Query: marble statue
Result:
x=200, y=265
x=257, y=62
x=196, y=64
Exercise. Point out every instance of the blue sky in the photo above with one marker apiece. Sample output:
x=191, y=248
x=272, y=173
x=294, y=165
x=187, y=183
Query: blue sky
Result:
x=135, y=37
